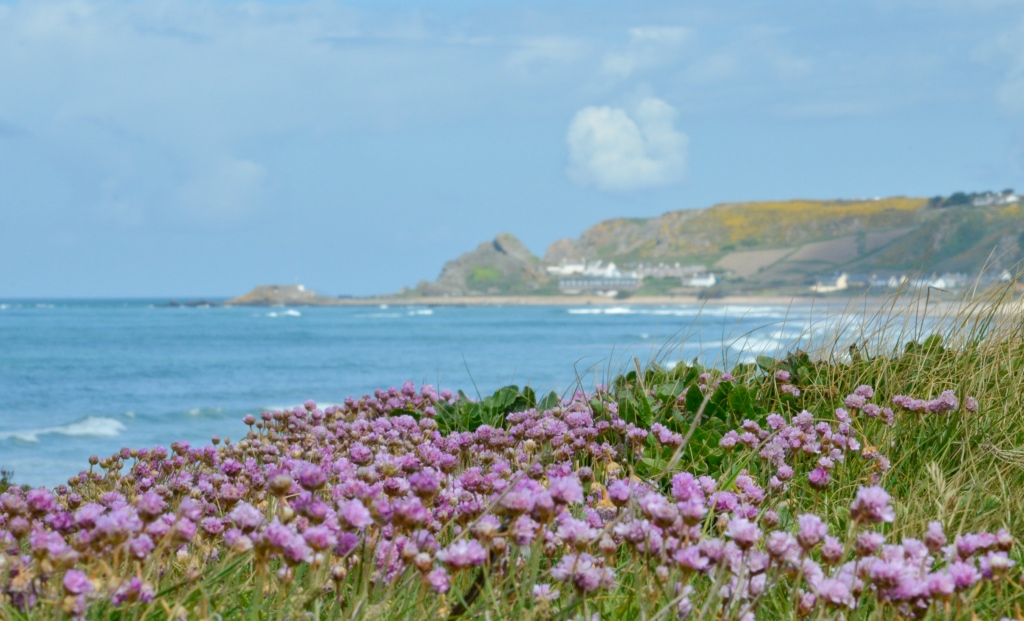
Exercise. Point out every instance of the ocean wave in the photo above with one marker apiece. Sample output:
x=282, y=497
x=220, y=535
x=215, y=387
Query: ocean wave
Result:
x=203, y=411
x=285, y=313
x=90, y=426
x=734, y=312
x=421, y=311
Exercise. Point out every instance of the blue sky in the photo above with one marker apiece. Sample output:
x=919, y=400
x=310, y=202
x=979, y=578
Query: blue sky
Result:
x=198, y=148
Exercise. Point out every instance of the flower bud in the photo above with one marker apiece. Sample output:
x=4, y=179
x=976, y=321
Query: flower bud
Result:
x=280, y=484
x=423, y=562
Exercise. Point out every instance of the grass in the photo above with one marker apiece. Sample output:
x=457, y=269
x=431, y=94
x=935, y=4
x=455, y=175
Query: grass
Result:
x=965, y=470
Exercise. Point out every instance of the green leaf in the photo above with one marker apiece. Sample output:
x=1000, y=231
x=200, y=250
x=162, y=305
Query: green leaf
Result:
x=636, y=410
x=694, y=399
x=742, y=402
x=550, y=401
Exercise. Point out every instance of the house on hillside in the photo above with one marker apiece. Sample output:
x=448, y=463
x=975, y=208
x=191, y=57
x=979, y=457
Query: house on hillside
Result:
x=699, y=280
x=601, y=279
x=856, y=281
x=593, y=269
x=567, y=267
x=988, y=199
x=839, y=283
x=663, y=270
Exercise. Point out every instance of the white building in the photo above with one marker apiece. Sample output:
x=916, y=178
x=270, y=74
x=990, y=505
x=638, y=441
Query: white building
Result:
x=840, y=284
x=701, y=281
x=567, y=267
x=594, y=269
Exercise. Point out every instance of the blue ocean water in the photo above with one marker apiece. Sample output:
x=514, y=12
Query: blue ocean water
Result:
x=88, y=377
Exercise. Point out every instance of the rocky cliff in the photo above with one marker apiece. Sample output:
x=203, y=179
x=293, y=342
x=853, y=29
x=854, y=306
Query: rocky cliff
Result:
x=503, y=265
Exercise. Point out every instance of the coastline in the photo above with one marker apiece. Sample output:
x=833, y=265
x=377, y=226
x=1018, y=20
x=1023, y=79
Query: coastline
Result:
x=931, y=307
x=584, y=300
x=899, y=303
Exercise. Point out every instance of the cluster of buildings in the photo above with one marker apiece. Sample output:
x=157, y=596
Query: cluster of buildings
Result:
x=598, y=277
x=988, y=199
x=601, y=278
x=947, y=282
x=579, y=276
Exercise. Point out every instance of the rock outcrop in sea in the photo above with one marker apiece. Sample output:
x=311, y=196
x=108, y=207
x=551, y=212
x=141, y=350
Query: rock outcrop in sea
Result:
x=282, y=295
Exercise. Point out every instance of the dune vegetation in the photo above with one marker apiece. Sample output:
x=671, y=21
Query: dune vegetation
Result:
x=873, y=474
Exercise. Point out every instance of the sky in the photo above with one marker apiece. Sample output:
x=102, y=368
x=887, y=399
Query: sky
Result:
x=197, y=148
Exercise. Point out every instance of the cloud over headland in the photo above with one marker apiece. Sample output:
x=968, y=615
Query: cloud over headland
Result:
x=614, y=150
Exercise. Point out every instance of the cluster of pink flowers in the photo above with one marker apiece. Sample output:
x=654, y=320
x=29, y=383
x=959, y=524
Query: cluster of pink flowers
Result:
x=944, y=403
x=373, y=485
x=817, y=445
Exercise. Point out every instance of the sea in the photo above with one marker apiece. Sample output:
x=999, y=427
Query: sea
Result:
x=88, y=377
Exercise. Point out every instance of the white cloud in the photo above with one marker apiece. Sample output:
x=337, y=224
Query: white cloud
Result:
x=614, y=151
x=647, y=47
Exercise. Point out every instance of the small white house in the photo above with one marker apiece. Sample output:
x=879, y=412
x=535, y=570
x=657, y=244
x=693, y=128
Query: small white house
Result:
x=841, y=283
x=567, y=268
x=701, y=281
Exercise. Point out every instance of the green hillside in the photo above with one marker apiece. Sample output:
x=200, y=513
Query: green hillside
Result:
x=775, y=246
x=785, y=244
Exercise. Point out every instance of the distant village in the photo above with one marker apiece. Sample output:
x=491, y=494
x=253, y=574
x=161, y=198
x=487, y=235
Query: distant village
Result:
x=578, y=276
x=951, y=282
x=598, y=277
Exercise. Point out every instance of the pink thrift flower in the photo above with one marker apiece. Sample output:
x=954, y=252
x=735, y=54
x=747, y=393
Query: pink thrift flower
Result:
x=835, y=593
x=77, y=583
x=819, y=478
x=812, y=530
x=462, y=554
x=742, y=531
x=934, y=538
x=789, y=389
x=544, y=593
x=354, y=514
x=872, y=506
x=565, y=490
